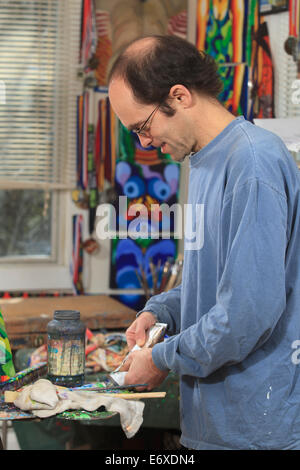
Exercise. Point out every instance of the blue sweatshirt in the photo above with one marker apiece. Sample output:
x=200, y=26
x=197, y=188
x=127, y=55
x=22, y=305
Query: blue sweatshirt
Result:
x=235, y=318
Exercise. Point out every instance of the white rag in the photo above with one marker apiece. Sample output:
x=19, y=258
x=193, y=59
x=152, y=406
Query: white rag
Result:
x=45, y=399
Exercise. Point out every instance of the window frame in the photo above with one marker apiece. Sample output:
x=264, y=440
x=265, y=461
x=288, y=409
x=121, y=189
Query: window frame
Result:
x=36, y=273
x=54, y=232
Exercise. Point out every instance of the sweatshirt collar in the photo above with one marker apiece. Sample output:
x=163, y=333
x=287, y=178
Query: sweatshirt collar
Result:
x=194, y=158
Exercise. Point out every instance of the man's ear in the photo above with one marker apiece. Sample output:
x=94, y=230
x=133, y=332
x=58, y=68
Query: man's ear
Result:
x=182, y=95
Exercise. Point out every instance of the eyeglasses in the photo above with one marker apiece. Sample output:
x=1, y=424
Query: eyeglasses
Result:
x=141, y=130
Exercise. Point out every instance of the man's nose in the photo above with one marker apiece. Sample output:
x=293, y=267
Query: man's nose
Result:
x=145, y=140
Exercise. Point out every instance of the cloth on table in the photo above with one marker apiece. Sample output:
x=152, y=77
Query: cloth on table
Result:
x=45, y=399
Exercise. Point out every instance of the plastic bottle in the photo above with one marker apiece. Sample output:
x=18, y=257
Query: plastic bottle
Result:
x=66, y=348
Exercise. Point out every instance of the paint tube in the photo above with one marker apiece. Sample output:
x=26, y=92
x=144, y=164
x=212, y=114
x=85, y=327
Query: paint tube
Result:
x=156, y=332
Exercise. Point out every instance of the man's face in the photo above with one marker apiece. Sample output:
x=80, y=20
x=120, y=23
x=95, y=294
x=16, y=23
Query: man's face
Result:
x=170, y=134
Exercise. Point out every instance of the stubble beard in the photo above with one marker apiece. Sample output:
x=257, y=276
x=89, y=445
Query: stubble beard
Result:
x=182, y=149
x=185, y=154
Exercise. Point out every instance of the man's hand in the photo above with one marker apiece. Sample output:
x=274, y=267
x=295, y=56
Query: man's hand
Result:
x=137, y=332
x=141, y=369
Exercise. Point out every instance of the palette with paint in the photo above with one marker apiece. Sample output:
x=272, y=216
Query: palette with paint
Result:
x=9, y=412
x=82, y=415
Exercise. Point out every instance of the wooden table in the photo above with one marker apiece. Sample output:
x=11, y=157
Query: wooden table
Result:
x=26, y=319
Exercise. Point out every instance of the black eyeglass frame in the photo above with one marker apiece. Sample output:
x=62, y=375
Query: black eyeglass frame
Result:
x=139, y=131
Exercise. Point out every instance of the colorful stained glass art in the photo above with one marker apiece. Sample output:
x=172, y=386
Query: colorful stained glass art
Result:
x=224, y=32
x=149, y=183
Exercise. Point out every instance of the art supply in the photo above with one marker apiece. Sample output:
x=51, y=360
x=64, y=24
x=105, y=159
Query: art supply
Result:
x=144, y=282
x=155, y=333
x=82, y=415
x=76, y=266
x=136, y=395
x=154, y=276
x=163, y=278
x=165, y=275
x=66, y=348
x=175, y=274
x=108, y=389
x=24, y=377
x=9, y=412
x=10, y=397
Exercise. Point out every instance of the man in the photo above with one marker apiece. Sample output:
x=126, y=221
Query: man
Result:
x=234, y=319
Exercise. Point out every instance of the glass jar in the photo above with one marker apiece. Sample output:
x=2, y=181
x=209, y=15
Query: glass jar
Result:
x=66, y=348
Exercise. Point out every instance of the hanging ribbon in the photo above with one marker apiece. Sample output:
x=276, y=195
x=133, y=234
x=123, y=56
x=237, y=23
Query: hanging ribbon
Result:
x=105, y=144
x=77, y=255
x=79, y=140
x=291, y=45
x=102, y=143
x=84, y=175
x=113, y=145
x=294, y=18
x=88, y=40
x=92, y=184
x=96, y=155
x=82, y=140
x=107, y=166
x=262, y=93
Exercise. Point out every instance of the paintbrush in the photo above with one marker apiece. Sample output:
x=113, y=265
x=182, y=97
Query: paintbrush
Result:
x=158, y=265
x=139, y=278
x=172, y=278
x=10, y=397
x=106, y=389
x=165, y=275
x=180, y=267
x=179, y=278
x=154, y=276
x=174, y=273
x=142, y=283
x=145, y=284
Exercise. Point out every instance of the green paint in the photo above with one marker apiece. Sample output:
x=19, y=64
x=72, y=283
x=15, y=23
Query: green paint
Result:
x=85, y=415
x=6, y=362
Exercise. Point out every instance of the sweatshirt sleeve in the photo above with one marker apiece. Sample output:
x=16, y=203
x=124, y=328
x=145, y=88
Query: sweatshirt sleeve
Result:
x=250, y=296
x=166, y=308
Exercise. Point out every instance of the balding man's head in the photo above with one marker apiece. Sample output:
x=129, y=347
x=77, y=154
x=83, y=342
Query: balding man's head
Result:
x=142, y=45
x=152, y=65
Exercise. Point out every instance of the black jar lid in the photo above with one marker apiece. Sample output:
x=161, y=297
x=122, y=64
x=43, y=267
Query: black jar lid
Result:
x=66, y=315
